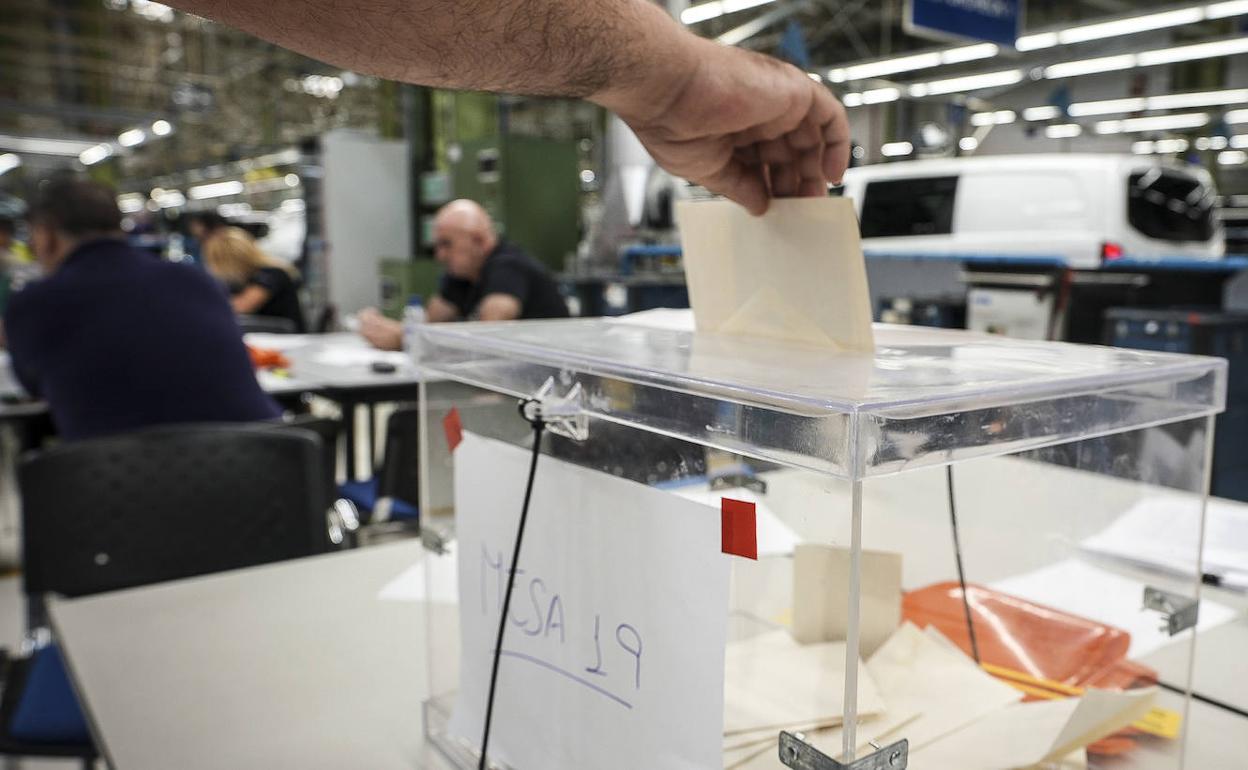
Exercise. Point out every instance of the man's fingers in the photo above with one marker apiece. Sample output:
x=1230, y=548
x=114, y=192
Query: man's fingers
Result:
x=741, y=183
x=836, y=141
x=784, y=180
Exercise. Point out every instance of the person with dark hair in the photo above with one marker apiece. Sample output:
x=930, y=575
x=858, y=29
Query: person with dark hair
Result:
x=115, y=339
x=205, y=224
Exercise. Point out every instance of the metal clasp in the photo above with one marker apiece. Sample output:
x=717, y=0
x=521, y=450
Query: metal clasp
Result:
x=796, y=753
x=1181, y=612
x=564, y=415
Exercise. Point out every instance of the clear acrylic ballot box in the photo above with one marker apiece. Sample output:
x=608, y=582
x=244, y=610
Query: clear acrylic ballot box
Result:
x=961, y=552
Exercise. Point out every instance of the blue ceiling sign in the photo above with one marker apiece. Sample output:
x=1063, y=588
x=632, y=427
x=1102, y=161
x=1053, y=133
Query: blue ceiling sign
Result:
x=996, y=21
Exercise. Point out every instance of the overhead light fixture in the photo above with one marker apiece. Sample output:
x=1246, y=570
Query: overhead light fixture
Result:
x=1063, y=131
x=1114, y=28
x=713, y=10
x=95, y=154
x=1198, y=99
x=1211, y=143
x=291, y=180
x=43, y=146
x=852, y=100
x=1223, y=10
x=131, y=138
x=1072, y=69
x=1143, y=148
x=968, y=144
x=8, y=162
x=1158, y=123
x=998, y=118
x=896, y=149
x=1232, y=158
x=1240, y=141
x=912, y=62
x=169, y=199
x=880, y=95
x=216, y=190
x=162, y=128
x=131, y=203
x=1236, y=116
x=1167, y=146
x=1041, y=113
x=1107, y=107
x=1227, y=47
x=967, y=83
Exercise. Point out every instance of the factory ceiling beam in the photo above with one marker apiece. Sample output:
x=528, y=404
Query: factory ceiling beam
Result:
x=737, y=35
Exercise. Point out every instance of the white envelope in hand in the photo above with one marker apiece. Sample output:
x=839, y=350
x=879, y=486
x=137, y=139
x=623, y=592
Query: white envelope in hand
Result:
x=796, y=273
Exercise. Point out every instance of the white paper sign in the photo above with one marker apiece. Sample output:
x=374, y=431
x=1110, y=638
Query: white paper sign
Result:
x=614, y=652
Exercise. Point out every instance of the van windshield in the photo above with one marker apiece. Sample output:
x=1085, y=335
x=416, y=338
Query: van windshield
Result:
x=899, y=207
x=1170, y=205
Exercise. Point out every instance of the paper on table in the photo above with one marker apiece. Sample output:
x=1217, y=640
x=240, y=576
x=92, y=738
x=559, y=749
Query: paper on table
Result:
x=1162, y=533
x=614, y=655
x=821, y=595
x=281, y=342
x=771, y=681
x=353, y=356
x=673, y=319
x=796, y=273
x=1026, y=734
x=1084, y=589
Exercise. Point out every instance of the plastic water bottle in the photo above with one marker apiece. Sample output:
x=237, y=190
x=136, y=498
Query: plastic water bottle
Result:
x=413, y=317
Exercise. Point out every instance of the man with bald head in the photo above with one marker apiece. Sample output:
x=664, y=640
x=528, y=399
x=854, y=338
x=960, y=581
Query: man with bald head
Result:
x=486, y=278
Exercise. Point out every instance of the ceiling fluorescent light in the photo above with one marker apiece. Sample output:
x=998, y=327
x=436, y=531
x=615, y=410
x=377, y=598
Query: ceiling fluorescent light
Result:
x=1131, y=25
x=1166, y=146
x=1000, y=117
x=1142, y=148
x=969, y=53
x=1198, y=99
x=1159, y=123
x=1236, y=116
x=1192, y=52
x=41, y=146
x=1232, y=157
x=852, y=100
x=162, y=128
x=713, y=10
x=1223, y=10
x=702, y=12
x=896, y=149
x=967, y=83
x=95, y=153
x=8, y=162
x=131, y=138
x=968, y=144
x=1063, y=131
x=215, y=190
x=880, y=95
x=1107, y=107
x=1072, y=69
x=1041, y=113
x=912, y=62
x=1036, y=42
x=892, y=66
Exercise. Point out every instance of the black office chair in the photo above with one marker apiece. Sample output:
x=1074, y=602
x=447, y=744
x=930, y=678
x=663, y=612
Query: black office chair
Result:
x=162, y=504
x=265, y=323
x=394, y=489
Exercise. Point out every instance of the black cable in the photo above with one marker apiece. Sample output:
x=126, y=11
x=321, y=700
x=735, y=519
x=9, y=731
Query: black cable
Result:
x=957, y=553
x=538, y=427
x=1205, y=699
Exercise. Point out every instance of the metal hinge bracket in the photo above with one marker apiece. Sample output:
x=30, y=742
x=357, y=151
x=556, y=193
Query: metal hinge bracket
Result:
x=796, y=753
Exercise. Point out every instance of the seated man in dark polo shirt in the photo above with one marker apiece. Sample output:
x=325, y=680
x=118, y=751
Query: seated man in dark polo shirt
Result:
x=486, y=278
x=115, y=339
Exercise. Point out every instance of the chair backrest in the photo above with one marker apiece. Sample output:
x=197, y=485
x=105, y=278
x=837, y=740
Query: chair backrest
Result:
x=400, y=468
x=168, y=503
x=266, y=323
x=327, y=429
x=326, y=320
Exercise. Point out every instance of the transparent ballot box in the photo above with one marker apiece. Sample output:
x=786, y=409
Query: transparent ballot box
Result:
x=961, y=552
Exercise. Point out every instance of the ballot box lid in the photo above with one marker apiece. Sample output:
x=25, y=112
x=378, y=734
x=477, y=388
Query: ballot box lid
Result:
x=925, y=396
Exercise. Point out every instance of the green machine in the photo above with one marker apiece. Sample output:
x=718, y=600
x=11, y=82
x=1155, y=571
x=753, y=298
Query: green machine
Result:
x=401, y=278
x=531, y=188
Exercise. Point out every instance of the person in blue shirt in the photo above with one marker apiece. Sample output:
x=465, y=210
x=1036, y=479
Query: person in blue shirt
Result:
x=115, y=339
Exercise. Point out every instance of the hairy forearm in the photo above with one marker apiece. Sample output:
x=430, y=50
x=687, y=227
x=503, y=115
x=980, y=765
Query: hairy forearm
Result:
x=608, y=50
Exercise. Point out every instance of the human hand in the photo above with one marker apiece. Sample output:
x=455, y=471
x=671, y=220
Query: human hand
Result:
x=381, y=332
x=741, y=124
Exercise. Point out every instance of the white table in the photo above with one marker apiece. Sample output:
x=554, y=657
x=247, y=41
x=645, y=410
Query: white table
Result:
x=300, y=665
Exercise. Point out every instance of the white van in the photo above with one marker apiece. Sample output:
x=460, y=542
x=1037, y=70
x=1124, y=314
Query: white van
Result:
x=1082, y=208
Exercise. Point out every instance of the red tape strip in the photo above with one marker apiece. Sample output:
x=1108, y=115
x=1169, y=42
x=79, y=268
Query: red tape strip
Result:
x=453, y=428
x=739, y=530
